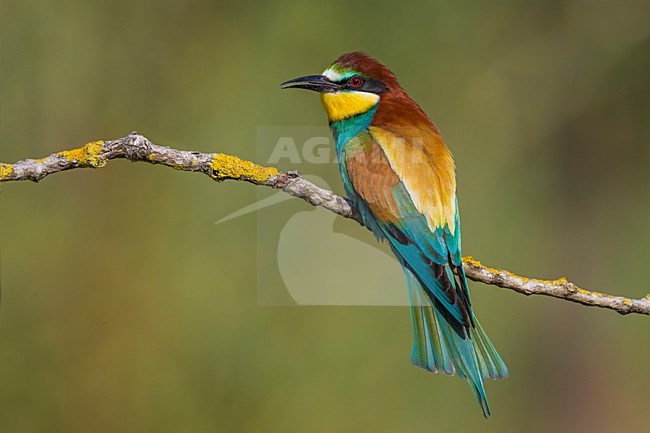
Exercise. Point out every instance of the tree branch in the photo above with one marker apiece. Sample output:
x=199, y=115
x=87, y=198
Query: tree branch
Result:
x=220, y=167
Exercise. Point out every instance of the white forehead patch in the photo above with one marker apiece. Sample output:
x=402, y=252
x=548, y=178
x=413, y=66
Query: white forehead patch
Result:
x=332, y=75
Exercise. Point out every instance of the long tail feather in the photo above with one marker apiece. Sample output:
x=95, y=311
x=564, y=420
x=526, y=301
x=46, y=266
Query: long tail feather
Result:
x=439, y=347
x=492, y=366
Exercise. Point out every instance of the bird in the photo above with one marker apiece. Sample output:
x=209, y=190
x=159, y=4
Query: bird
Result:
x=401, y=177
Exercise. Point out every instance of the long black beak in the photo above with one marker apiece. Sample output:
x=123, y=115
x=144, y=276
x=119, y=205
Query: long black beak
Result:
x=317, y=83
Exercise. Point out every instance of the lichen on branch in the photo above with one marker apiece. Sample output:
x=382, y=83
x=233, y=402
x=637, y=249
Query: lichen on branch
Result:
x=231, y=167
x=86, y=156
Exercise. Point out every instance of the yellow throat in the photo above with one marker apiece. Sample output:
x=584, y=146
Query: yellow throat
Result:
x=342, y=105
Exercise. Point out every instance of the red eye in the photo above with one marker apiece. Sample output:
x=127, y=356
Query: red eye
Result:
x=355, y=82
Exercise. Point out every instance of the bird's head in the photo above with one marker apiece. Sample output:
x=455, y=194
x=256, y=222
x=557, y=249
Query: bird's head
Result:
x=354, y=84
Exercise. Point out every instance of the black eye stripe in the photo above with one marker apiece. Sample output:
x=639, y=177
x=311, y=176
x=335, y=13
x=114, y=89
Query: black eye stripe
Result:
x=368, y=85
x=374, y=86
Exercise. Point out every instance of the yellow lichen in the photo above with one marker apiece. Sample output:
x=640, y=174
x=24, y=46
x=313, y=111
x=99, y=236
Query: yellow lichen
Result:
x=471, y=261
x=86, y=156
x=151, y=157
x=230, y=167
x=6, y=170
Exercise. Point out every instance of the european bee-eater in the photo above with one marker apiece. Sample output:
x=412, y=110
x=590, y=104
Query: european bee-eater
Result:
x=400, y=175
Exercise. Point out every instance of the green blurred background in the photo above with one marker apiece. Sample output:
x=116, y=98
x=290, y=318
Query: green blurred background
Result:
x=125, y=309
